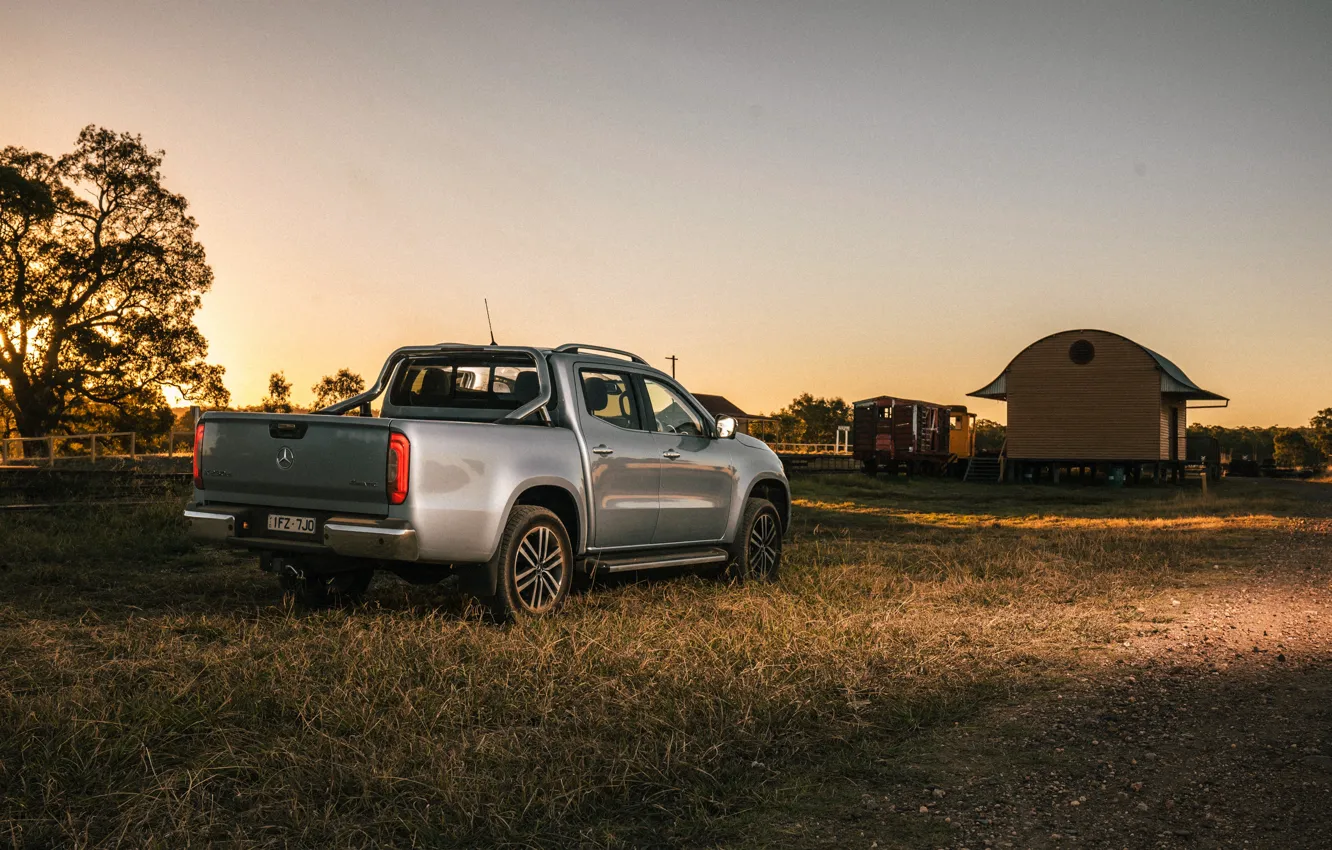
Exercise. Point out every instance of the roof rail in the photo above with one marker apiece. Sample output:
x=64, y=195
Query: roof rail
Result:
x=578, y=346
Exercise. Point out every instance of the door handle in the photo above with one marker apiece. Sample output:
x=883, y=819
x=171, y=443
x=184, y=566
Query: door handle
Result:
x=672, y=454
x=603, y=451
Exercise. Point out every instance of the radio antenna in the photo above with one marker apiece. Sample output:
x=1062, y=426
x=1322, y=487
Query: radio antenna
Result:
x=486, y=301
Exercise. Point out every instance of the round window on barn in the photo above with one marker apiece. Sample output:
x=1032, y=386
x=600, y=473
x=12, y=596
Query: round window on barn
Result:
x=1081, y=352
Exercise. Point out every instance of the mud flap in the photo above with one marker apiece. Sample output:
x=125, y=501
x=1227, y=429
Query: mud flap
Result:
x=481, y=580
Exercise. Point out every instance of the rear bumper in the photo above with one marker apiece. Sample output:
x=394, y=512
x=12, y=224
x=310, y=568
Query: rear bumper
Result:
x=370, y=539
x=351, y=537
x=207, y=525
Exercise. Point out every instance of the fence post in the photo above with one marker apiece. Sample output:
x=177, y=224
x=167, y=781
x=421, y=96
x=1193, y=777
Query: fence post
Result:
x=132, y=435
x=94, y=448
x=50, y=443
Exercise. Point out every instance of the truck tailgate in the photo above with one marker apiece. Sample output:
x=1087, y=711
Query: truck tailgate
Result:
x=327, y=463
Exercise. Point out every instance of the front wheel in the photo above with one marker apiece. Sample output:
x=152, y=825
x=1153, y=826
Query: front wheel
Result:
x=757, y=551
x=534, y=565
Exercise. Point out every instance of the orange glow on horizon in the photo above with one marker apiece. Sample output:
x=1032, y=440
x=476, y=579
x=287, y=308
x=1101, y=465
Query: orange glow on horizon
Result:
x=848, y=201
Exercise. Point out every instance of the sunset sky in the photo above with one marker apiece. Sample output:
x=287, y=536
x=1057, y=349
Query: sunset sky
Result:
x=846, y=198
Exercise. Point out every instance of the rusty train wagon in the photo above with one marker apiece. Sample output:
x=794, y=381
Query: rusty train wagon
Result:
x=891, y=434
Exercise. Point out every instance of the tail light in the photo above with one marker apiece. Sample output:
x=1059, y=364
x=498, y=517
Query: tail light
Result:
x=399, y=459
x=198, y=456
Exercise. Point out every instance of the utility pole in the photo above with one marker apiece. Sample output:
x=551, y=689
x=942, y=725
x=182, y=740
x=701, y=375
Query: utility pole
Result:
x=672, y=358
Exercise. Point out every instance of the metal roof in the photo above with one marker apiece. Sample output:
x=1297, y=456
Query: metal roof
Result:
x=1173, y=380
x=878, y=399
x=720, y=405
x=996, y=389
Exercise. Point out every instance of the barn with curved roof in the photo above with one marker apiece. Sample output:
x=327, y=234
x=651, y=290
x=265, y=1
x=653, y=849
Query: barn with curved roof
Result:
x=1084, y=397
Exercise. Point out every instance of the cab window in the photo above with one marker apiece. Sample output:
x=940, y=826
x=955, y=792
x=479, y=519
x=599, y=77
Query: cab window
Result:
x=609, y=396
x=444, y=383
x=671, y=414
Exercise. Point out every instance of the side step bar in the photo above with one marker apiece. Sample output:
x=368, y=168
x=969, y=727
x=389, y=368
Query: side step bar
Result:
x=655, y=560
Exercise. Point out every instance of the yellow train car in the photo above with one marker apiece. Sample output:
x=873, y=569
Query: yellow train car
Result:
x=961, y=431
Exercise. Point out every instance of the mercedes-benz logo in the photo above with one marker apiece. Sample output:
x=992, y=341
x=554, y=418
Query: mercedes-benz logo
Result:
x=286, y=457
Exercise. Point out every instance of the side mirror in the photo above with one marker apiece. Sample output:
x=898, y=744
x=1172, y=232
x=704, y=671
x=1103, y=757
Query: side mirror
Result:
x=725, y=427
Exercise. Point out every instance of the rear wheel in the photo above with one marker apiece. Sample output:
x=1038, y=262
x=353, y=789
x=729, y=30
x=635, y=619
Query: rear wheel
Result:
x=322, y=590
x=757, y=551
x=534, y=565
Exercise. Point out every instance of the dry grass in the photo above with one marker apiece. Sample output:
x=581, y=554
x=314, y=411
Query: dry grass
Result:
x=155, y=694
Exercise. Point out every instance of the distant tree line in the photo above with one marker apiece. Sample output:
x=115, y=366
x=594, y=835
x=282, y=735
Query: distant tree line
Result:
x=807, y=419
x=990, y=435
x=152, y=419
x=1308, y=447
x=329, y=389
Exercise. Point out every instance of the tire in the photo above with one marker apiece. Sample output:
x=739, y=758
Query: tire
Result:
x=534, y=565
x=322, y=591
x=756, y=554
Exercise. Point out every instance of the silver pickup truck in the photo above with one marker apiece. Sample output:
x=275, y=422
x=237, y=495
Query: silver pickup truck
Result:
x=516, y=468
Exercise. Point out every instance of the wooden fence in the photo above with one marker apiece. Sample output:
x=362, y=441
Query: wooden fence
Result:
x=809, y=448
x=89, y=447
x=841, y=447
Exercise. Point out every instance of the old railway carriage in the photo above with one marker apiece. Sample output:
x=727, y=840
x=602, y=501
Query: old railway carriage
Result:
x=892, y=434
x=1093, y=399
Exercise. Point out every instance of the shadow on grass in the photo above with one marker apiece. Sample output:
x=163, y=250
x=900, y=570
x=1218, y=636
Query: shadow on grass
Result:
x=110, y=561
x=1175, y=753
x=151, y=685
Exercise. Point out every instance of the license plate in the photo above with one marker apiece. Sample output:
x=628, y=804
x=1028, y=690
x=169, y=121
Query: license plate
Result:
x=297, y=524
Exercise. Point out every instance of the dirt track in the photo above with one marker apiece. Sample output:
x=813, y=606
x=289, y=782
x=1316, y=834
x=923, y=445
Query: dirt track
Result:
x=1211, y=726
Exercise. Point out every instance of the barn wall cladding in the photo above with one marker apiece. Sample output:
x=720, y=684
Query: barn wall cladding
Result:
x=1090, y=395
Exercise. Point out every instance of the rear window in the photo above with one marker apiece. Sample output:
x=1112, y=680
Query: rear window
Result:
x=475, y=383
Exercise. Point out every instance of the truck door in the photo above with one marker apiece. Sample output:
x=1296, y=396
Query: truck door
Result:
x=697, y=477
x=623, y=460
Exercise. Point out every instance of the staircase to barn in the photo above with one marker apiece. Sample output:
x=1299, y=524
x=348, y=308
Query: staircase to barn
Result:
x=983, y=469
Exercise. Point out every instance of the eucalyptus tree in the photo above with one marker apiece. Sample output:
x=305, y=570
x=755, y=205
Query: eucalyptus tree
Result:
x=334, y=388
x=100, y=280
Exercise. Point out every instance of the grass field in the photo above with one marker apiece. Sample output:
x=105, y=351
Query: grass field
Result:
x=154, y=693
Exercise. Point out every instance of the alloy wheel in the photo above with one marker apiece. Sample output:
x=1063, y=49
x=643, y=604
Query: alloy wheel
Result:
x=539, y=569
x=764, y=539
